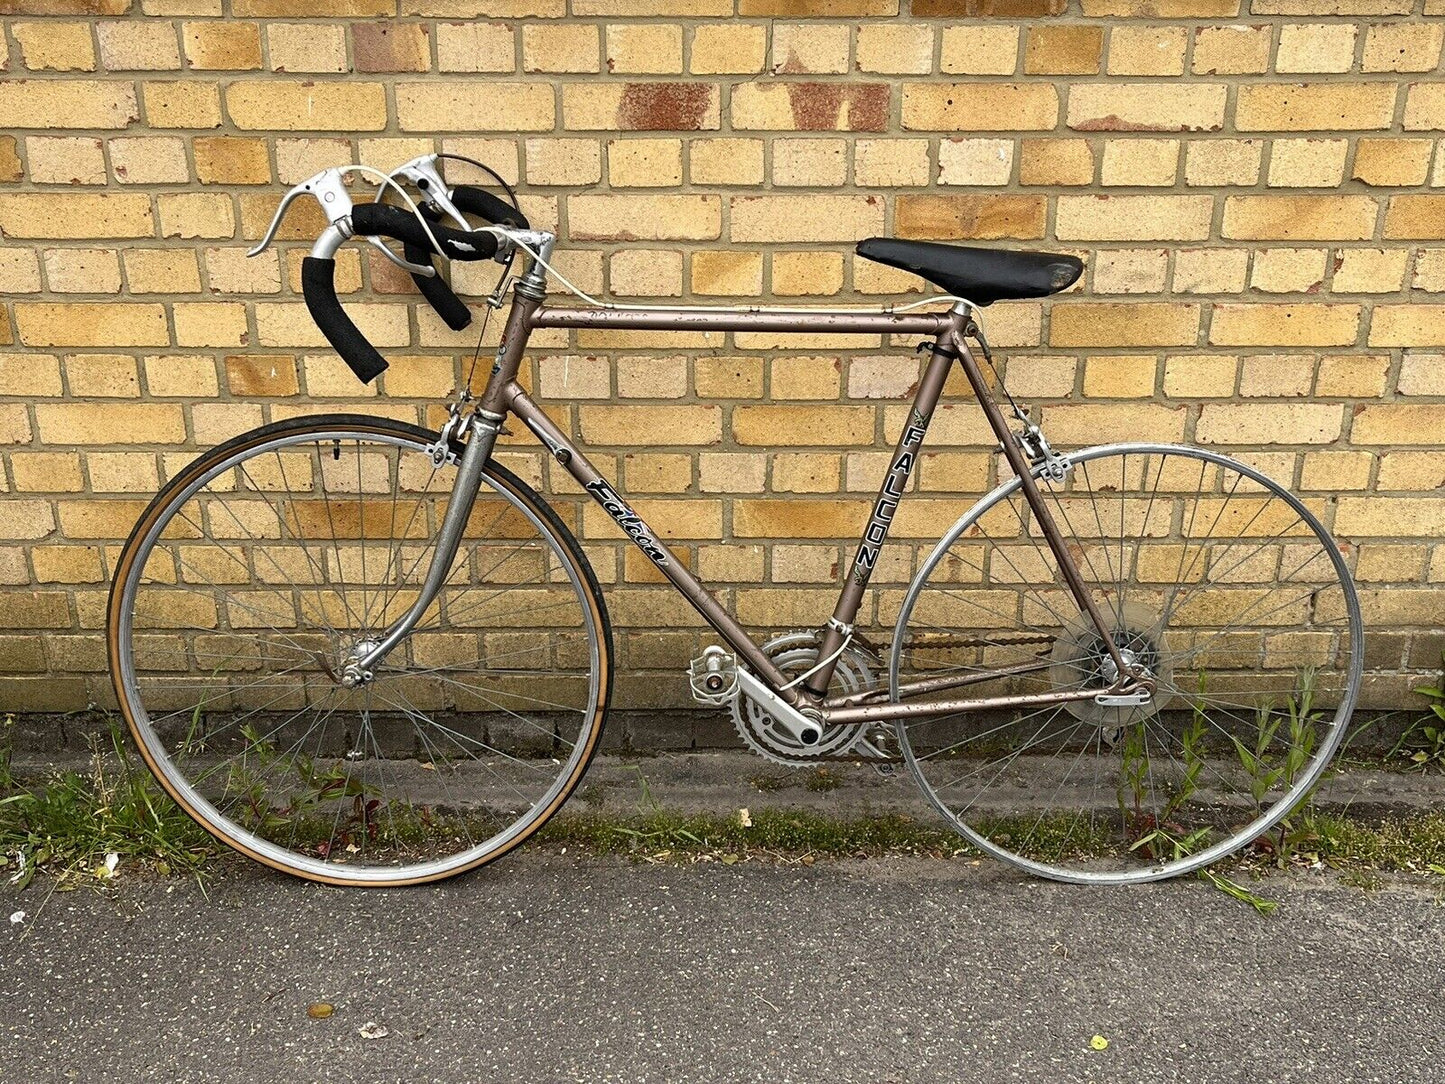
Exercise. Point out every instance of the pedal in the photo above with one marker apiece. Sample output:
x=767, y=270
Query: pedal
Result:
x=713, y=677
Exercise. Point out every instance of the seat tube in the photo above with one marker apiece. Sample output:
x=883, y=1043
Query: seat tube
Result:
x=890, y=496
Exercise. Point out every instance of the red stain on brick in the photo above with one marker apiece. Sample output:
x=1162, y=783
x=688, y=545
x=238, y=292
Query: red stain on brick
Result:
x=839, y=107
x=664, y=107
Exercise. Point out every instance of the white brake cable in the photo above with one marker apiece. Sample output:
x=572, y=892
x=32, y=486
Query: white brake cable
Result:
x=389, y=181
x=789, y=309
x=819, y=664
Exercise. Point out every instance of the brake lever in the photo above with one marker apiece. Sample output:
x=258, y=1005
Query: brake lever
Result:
x=329, y=190
x=423, y=173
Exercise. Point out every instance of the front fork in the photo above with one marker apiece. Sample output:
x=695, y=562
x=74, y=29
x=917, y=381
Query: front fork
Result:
x=482, y=428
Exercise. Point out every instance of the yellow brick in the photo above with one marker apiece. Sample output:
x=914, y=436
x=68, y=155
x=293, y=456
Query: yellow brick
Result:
x=801, y=273
x=1106, y=423
x=1300, y=107
x=182, y=105
x=138, y=46
x=1404, y=325
x=560, y=48
x=1307, y=163
x=731, y=273
x=75, y=216
x=66, y=160
x=1134, y=218
x=728, y=377
x=570, y=162
x=1393, y=161
x=209, y=324
x=1392, y=424
x=805, y=377
x=980, y=107
x=474, y=47
x=806, y=472
x=149, y=160
x=1140, y=162
x=729, y=49
x=196, y=214
x=214, y=46
x=1268, y=423
x=1410, y=46
x=1063, y=50
x=1334, y=471
x=975, y=161
x=979, y=50
x=1353, y=376
x=1299, y=218
x=1123, y=324
x=1315, y=47
x=644, y=218
x=1415, y=216
x=809, y=163
x=72, y=103
x=1130, y=271
x=638, y=272
x=1122, y=377
x=1056, y=162
x=895, y=48
x=659, y=425
x=803, y=425
x=110, y=423
x=805, y=218
x=657, y=472
x=1425, y=107
x=1289, y=270
x=1147, y=50
x=176, y=376
x=725, y=161
x=1284, y=325
x=232, y=160
x=890, y=163
x=313, y=106
x=971, y=216
x=301, y=47
x=644, y=163
x=1369, y=270
x=1199, y=376
x=1146, y=107
x=108, y=324
x=1232, y=50
x=653, y=48
x=802, y=48
x=798, y=519
x=55, y=46
x=1276, y=376
x=82, y=270
x=47, y=472
x=11, y=168
x=1214, y=162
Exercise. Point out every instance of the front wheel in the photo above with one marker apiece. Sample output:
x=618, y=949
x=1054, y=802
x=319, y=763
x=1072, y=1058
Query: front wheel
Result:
x=1224, y=586
x=267, y=564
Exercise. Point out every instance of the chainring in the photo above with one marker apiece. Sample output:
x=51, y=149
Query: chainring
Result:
x=794, y=653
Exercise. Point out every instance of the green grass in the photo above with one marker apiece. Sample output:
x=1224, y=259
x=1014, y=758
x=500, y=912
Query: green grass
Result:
x=69, y=823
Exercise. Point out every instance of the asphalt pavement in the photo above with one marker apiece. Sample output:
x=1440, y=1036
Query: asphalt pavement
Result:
x=558, y=967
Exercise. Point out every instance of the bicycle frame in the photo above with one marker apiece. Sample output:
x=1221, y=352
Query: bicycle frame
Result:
x=503, y=396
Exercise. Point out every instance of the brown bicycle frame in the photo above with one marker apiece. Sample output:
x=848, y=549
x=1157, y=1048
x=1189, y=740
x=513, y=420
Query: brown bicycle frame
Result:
x=504, y=395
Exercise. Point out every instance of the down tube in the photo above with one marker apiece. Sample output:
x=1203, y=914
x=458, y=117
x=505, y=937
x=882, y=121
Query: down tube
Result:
x=642, y=536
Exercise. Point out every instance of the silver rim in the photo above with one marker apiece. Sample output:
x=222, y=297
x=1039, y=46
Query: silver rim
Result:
x=454, y=748
x=1127, y=539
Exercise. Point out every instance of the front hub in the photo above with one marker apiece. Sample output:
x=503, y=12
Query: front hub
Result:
x=353, y=675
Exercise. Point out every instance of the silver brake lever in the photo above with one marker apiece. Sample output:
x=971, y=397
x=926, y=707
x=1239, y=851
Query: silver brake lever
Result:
x=329, y=189
x=423, y=173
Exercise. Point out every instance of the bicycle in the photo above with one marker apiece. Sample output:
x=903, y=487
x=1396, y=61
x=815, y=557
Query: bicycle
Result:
x=365, y=652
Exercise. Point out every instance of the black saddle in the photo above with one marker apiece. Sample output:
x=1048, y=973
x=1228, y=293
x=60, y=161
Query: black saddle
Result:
x=982, y=275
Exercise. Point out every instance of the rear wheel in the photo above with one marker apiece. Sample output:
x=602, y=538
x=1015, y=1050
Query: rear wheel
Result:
x=267, y=564
x=1227, y=588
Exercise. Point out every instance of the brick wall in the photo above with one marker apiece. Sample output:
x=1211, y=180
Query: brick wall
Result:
x=1258, y=188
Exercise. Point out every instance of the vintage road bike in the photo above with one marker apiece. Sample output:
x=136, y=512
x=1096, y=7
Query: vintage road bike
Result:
x=367, y=653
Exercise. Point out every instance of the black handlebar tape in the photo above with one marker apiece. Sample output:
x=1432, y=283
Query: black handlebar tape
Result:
x=434, y=288
x=318, y=286
x=389, y=221
x=480, y=202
